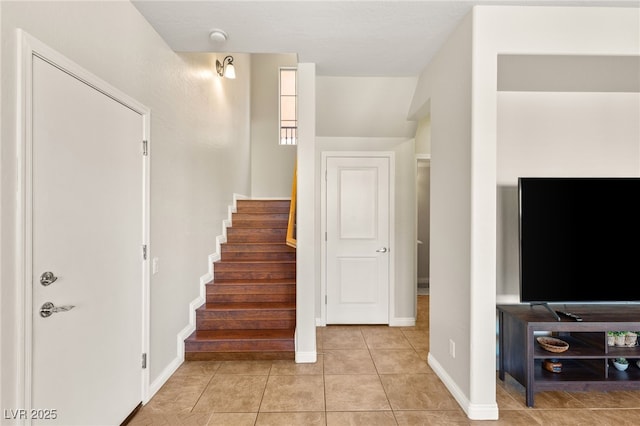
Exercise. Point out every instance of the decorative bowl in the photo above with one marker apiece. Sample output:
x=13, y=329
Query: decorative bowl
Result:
x=552, y=344
x=620, y=366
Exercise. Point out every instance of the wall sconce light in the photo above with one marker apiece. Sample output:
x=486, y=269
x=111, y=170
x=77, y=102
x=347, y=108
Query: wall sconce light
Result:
x=226, y=68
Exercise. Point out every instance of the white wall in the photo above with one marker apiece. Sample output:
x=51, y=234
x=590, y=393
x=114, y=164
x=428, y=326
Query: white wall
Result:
x=492, y=30
x=403, y=249
x=199, y=153
x=557, y=134
x=308, y=218
x=364, y=106
x=446, y=87
x=271, y=163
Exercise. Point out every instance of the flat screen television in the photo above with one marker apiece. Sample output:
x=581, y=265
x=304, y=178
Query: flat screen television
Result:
x=579, y=240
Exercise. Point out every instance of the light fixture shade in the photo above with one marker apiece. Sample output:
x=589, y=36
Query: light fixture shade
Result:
x=230, y=71
x=226, y=68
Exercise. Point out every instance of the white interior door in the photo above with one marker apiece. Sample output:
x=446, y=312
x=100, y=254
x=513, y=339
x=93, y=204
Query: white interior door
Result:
x=357, y=247
x=87, y=230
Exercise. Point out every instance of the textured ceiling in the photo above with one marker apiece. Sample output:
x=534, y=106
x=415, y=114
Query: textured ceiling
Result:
x=343, y=38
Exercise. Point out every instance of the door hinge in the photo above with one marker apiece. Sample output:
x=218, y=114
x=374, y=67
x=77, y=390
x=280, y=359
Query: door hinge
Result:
x=145, y=147
x=144, y=252
x=325, y=299
x=144, y=360
x=325, y=235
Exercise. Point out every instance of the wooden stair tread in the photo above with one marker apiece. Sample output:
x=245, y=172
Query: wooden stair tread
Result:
x=265, y=282
x=247, y=306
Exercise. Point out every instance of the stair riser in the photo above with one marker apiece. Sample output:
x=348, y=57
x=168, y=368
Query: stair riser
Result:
x=257, y=256
x=243, y=288
x=257, y=247
x=251, y=288
x=266, y=206
x=240, y=346
x=239, y=356
x=222, y=266
x=251, y=297
x=260, y=224
x=255, y=275
x=246, y=235
x=255, y=315
x=210, y=324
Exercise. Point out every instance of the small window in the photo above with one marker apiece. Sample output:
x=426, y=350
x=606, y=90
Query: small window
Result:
x=288, y=107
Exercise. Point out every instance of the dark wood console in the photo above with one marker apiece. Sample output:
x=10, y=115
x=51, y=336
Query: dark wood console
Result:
x=586, y=365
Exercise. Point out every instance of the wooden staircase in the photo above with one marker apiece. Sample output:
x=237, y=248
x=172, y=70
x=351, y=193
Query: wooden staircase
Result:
x=250, y=309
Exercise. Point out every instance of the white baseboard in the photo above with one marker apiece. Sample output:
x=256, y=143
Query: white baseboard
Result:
x=402, y=322
x=473, y=411
x=320, y=322
x=306, y=357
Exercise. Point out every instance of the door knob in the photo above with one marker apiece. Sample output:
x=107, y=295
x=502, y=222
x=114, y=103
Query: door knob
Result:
x=47, y=278
x=382, y=250
x=49, y=309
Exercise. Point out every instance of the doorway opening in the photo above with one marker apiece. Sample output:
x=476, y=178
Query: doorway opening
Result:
x=423, y=196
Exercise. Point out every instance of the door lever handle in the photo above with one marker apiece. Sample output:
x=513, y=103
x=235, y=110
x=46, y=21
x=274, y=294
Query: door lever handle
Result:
x=382, y=250
x=48, y=309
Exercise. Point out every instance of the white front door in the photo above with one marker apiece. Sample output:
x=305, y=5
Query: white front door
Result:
x=87, y=231
x=358, y=246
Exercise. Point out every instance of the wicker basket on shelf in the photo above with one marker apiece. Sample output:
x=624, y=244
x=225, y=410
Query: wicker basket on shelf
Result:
x=552, y=344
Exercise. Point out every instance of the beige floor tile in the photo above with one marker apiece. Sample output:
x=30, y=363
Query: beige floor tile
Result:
x=555, y=400
x=180, y=394
x=232, y=419
x=385, y=338
x=506, y=401
x=358, y=392
x=565, y=417
x=417, y=392
x=432, y=418
x=232, y=393
x=291, y=368
x=147, y=418
x=245, y=367
x=618, y=417
x=340, y=337
x=348, y=361
x=355, y=418
x=418, y=339
x=311, y=418
x=367, y=372
x=398, y=361
x=197, y=368
x=612, y=399
x=293, y=393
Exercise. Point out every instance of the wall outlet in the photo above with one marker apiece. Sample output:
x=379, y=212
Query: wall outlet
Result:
x=154, y=265
x=452, y=348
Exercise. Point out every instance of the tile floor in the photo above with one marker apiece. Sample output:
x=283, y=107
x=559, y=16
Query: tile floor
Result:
x=365, y=375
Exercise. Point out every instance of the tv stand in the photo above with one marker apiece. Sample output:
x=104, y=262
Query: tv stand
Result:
x=546, y=305
x=586, y=365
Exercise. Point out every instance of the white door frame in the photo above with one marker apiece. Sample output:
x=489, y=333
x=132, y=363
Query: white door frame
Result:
x=322, y=321
x=28, y=47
